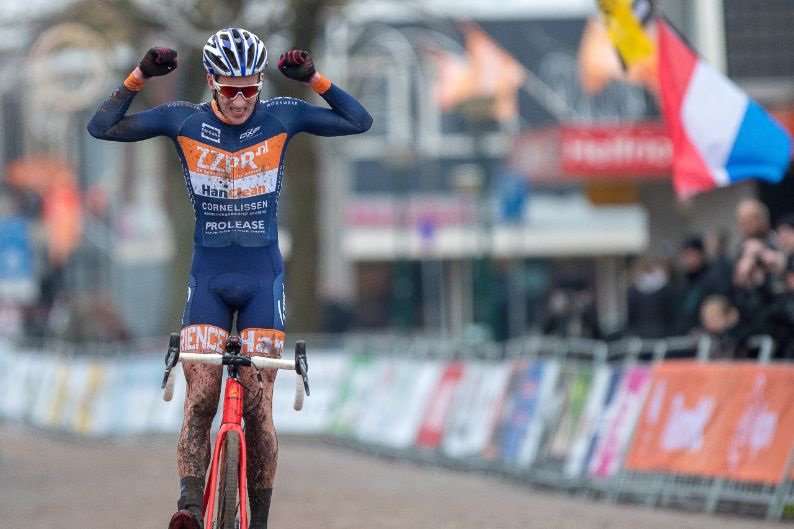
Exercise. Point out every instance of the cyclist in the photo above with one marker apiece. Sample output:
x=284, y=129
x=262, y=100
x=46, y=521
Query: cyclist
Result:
x=232, y=150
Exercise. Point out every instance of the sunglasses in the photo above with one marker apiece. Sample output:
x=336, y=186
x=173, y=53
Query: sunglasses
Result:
x=231, y=91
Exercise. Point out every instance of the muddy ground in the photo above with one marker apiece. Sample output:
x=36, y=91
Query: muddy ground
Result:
x=49, y=482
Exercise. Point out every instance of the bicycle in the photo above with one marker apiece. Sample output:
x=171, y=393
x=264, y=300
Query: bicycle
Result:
x=227, y=474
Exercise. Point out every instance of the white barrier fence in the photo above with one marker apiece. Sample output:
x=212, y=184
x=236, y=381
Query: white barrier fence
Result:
x=548, y=412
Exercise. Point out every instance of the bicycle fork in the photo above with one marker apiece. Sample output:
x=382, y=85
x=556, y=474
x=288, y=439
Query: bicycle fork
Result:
x=231, y=421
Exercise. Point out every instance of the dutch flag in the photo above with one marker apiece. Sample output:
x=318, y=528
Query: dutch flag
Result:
x=720, y=136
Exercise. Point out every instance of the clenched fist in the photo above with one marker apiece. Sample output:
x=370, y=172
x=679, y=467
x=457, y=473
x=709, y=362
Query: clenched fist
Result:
x=297, y=64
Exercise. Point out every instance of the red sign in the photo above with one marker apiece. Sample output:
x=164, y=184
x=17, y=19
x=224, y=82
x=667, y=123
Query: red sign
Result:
x=589, y=152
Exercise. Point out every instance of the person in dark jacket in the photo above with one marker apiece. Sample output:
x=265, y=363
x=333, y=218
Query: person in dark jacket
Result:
x=651, y=300
x=779, y=320
x=697, y=280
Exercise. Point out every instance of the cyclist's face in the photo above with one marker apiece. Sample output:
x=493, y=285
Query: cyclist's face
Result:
x=236, y=109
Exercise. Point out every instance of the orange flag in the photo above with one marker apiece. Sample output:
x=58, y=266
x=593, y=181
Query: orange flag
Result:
x=486, y=71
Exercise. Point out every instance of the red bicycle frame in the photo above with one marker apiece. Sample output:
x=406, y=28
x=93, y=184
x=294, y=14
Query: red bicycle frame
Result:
x=232, y=420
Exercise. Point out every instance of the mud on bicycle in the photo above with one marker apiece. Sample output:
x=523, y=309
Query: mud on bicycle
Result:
x=225, y=492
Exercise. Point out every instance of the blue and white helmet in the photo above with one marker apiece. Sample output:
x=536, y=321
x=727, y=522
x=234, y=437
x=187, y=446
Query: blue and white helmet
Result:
x=234, y=52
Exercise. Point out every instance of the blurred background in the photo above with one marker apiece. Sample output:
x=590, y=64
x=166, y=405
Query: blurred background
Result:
x=509, y=183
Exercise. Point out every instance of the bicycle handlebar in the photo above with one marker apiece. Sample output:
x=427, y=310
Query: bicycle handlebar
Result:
x=168, y=385
x=261, y=362
x=298, y=365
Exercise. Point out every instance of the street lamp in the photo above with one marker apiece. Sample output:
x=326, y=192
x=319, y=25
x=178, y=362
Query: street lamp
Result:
x=478, y=114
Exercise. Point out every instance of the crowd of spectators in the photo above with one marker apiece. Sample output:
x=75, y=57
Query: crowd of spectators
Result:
x=706, y=289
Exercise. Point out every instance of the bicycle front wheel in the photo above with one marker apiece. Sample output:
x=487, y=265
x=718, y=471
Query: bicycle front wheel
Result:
x=228, y=485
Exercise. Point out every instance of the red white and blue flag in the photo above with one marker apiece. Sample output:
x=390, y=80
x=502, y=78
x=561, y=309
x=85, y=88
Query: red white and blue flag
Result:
x=720, y=136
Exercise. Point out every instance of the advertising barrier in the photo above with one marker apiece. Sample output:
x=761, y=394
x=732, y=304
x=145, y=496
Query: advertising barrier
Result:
x=353, y=395
x=326, y=375
x=583, y=441
x=573, y=394
x=434, y=419
x=475, y=409
x=516, y=438
x=733, y=421
x=401, y=388
x=618, y=422
x=608, y=427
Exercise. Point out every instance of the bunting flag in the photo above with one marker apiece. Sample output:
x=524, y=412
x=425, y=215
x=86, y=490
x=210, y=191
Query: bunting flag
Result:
x=626, y=31
x=627, y=25
x=486, y=71
x=720, y=136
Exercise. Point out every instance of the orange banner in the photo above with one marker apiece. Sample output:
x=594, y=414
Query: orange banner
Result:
x=760, y=434
x=722, y=420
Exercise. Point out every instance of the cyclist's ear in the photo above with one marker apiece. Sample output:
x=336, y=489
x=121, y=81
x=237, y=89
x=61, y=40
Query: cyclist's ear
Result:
x=211, y=82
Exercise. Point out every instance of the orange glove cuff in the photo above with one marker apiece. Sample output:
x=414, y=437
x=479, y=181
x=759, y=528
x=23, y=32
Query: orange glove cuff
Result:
x=319, y=84
x=134, y=82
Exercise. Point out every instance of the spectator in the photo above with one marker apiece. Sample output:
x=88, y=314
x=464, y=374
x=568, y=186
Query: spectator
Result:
x=571, y=312
x=718, y=252
x=758, y=266
x=720, y=321
x=752, y=219
x=651, y=298
x=785, y=234
x=780, y=316
x=88, y=317
x=697, y=281
x=757, y=282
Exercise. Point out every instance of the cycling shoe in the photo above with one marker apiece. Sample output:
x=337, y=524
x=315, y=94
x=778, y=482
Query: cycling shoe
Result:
x=186, y=519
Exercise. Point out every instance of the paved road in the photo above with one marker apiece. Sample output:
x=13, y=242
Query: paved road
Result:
x=52, y=483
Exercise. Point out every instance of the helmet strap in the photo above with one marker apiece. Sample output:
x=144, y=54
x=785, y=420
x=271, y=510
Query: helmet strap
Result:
x=217, y=103
x=215, y=96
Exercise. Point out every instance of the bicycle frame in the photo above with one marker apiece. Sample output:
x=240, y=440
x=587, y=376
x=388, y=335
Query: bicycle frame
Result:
x=232, y=420
x=232, y=415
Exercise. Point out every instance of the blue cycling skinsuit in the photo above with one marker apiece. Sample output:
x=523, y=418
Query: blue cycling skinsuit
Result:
x=233, y=175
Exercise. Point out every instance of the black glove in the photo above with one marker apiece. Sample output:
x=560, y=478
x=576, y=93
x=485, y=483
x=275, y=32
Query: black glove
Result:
x=158, y=61
x=297, y=64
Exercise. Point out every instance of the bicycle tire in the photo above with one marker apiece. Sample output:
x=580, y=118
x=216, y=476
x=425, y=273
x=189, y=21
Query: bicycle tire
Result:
x=228, y=484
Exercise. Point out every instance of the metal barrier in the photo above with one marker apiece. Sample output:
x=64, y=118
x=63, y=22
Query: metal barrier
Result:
x=575, y=359
x=655, y=488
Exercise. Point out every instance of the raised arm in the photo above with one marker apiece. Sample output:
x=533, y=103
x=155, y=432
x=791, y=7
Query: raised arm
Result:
x=111, y=122
x=346, y=115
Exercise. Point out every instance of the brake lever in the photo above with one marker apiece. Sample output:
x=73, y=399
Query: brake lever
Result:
x=171, y=357
x=301, y=365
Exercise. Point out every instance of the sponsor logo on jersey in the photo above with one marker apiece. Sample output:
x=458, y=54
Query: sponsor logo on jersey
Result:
x=206, y=190
x=235, y=225
x=208, y=132
x=245, y=173
x=234, y=208
x=278, y=101
x=251, y=133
